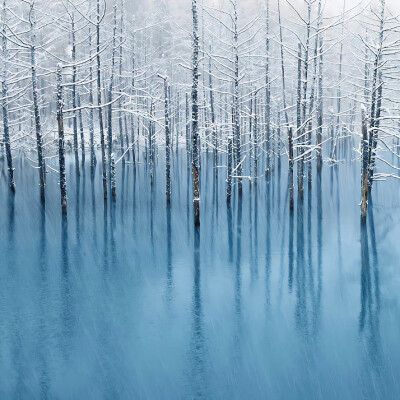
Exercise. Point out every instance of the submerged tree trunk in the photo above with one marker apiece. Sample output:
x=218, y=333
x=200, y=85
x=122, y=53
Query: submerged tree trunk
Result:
x=213, y=121
x=255, y=137
x=91, y=102
x=267, y=96
x=376, y=103
x=38, y=126
x=61, y=146
x=110, y=90
x=364, y=164
x=236, y=111
x=101, y=128
x=320, y=108
x=112, y=177
x=300, y=151
x=291, y=186
x=74, y=116
x=7, y=141
x=81, y=130
x=195, y=116
x=167, y=143
x=187, y=115
x=120, y=124
x=229, y=172
x=132, y=107
x=282, y=66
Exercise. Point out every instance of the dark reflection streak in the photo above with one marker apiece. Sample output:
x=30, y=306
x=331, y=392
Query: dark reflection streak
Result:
x=11, y=230
x=238, y=272
x=230, y=232
x=268, y=246
x=256, y=228
x=83, y=197
x=281, y=263
x=16, y=318
x=216, y=204
x=198, y=372
x=369, y=320
x=123, y=187
x=213, y=214
x=105, y=236
x=113, y=231
x=365, y=277
x=66, y=290
x=94, y=228
x=310, y=250
x=152, y=194
x=237, y=352
x=374, y=255
x=42, y=345
x=319, y=253
x=301, y=300
x=187, y=199
x=339, y=235
x=251, y=237
x=134, y=202
x=170, y=278
x=290, y=251
x=78, y=226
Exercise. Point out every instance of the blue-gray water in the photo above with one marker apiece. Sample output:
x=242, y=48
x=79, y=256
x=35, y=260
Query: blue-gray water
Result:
x=124, y=301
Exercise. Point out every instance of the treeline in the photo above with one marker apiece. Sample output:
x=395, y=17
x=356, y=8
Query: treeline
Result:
x=258, y=88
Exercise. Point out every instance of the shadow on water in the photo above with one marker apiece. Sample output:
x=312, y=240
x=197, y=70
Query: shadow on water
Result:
x=43, y=297
x=170, y=277
x=268, y=257
x=369, y=317
x=67, y=298
x=198, y=372
x=238, y=285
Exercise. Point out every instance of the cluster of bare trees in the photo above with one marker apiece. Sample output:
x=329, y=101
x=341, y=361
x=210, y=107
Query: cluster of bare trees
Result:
x=256, y=87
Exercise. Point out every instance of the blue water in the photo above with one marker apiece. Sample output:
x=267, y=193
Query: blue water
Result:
x=127, y=301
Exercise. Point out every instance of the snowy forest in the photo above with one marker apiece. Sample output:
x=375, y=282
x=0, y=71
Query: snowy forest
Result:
x=199, y=198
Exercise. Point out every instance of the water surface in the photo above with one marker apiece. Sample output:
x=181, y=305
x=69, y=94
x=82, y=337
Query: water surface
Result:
x=125, y=300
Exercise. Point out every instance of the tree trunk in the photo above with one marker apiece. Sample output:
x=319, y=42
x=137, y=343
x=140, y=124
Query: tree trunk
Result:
x=7, y=142
x=195, y=116
x=61, y=147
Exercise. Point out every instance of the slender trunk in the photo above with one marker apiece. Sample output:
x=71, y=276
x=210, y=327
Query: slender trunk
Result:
x=91, y=102
x=213, y=127
x=282, y=65
x=7, y=142
x=300, y=162
x=291, y=186
x=236, y=111
x=229, y=172
x=61, y=147
x=339, y=94
x=377, y=89
x=38, y=126
x=188, y=150
x=74, y=116
x=267, y=95
x=132, y=108
x=364, y=164
x=101, y=127
x=195, y=116
x=110, y=90
x=255, y=137
x=81, y=130
x=320, y=108
x=112, y=176
x=167, y=144
x=121, y=129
